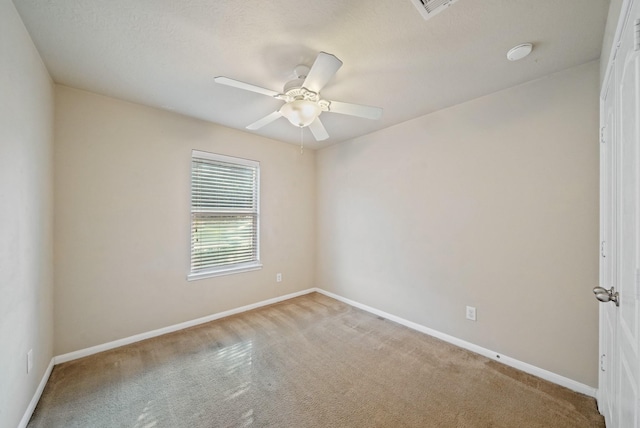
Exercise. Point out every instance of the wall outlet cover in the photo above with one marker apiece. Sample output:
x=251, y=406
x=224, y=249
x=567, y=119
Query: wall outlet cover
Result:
x=471, y=313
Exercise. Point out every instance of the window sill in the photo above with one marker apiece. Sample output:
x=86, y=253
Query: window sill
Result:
x=221, y=272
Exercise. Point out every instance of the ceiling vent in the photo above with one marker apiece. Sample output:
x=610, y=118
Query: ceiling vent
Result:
x=429, y=8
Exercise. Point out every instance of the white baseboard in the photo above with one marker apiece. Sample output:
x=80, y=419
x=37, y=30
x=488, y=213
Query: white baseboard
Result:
x=170, y=329
x=36, y=397
x=525, y=367
x=520, y=365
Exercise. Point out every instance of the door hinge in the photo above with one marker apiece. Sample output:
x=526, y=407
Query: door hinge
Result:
x=602, y=248
x=602, y=360
x=636, y=44
x=602, y=134
x=637, y=284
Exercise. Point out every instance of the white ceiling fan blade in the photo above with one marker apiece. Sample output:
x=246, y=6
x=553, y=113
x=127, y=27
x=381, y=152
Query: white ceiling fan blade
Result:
x=368, y=112
x=323, y=69
x=265, y=120
x=246, y=86
x=318, y=131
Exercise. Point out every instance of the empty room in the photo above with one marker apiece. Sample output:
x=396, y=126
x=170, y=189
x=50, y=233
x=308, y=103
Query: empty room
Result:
x=407, y=213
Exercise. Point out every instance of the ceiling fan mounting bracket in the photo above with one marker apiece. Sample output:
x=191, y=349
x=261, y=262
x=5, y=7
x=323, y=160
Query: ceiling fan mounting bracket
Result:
x=301, y=71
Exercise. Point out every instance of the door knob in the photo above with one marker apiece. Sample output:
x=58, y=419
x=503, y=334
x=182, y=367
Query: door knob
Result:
x=605, y=295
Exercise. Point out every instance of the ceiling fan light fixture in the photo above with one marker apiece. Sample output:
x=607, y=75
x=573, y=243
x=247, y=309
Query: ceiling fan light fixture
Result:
x=301, y=113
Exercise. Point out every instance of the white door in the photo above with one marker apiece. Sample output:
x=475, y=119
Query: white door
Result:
x=608, y=313
x=619, y=390
x=628, y=77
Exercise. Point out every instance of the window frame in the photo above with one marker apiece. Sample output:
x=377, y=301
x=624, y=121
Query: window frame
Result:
x=231, y=268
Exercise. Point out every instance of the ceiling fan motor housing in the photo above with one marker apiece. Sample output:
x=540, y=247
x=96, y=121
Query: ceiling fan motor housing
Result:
x=293, y=92
x=293, y=84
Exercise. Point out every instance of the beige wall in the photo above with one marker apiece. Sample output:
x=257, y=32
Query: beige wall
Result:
x=492, y=203
x=122, y=186
x=26, y=212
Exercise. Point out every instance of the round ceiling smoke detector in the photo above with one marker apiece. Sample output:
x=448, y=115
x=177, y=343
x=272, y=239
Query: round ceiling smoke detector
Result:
x=519, y=52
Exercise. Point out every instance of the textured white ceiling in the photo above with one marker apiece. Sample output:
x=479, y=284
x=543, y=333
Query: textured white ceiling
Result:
x=165, y=53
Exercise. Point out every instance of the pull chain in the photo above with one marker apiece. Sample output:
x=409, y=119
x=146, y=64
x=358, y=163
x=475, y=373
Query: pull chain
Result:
x=301, y=140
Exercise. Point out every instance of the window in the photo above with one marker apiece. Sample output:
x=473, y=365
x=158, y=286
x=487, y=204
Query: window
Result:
x=224, y=215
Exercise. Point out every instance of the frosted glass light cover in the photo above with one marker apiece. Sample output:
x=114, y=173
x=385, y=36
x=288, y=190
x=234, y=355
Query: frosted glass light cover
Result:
x=300, y=112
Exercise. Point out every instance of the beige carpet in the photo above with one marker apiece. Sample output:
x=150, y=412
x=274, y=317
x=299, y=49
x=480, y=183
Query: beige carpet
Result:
x=308, y=362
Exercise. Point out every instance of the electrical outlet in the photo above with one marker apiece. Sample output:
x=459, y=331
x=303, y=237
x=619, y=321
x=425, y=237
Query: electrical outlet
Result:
x=471, y=313
x=278, y=277
x=29, y=360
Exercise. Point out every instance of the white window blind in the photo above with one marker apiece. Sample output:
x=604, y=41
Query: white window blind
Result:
x=224, y=214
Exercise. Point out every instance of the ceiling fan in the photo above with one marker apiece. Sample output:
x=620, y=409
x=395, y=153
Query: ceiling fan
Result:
x=301, y=95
